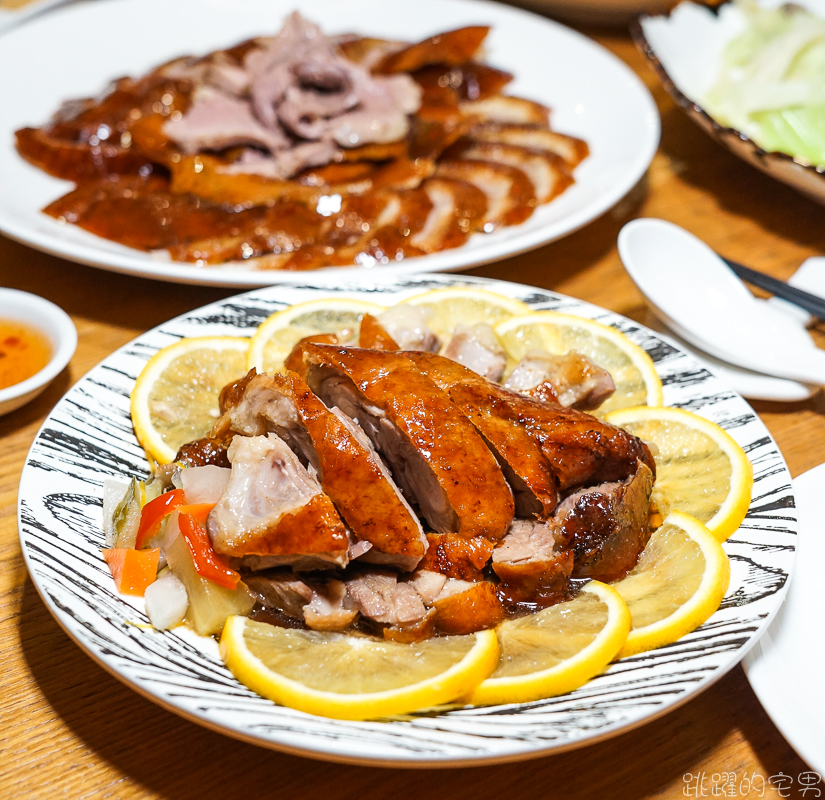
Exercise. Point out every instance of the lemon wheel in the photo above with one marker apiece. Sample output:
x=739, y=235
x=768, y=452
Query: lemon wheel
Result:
x=630, y=367
x=354, y=677
x=463, y=305
x=557, y=650
x=679, y=581
x=175, y=399
x=279, y=333
x=700, y=469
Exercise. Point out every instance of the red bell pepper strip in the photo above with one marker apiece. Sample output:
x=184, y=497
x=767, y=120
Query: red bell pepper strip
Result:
x=207, y=562
x=155, y=511
x=153, y=514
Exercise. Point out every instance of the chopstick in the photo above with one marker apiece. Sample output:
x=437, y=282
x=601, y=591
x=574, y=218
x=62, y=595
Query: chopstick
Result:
x=810, y=302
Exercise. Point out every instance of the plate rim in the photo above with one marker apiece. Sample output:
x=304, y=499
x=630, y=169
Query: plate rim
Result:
x=320, y=751
x=138, y=263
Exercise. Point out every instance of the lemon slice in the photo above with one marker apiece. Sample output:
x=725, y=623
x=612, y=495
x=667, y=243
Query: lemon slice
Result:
x=679, y=581
x=466, y=306
x=279, y=333
x=354, y=677
x=700, y=469
x=631, y=367
x=558, y=649
x=175, y=399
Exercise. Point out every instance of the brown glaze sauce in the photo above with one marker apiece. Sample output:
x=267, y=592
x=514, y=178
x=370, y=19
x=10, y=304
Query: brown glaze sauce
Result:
x=24, y=351
x=135, y=188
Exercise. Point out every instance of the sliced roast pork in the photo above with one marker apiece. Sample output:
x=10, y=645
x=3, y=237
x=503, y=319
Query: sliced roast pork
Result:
x=436, y=455
x=350, y=471
x=273, y=512
x=572, y=380
x=608, y=525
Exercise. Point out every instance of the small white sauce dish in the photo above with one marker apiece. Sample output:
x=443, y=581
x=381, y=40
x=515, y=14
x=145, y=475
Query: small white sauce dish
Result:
x=54, y=323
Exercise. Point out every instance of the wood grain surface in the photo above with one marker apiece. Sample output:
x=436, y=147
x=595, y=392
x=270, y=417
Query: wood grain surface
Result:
x=70, y=730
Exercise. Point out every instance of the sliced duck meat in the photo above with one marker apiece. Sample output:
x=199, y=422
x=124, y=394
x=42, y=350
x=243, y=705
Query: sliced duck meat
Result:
x=477, y=347
x=322, y=605
x=216, y=121
x=407, y=325
x=509, y=192
x=573, y=380
x=367, y=50
x=463, y=607
x=526, y=468
x=436, y=455
x=294, y=362
x=450, y=49
x=372, y=335
x=380, y=597
x=457, y=209
x=273, y=512
x=503, y=108
x=572, y=150
x=608, y=525
x=532, y=560
x=351, y=473
x=428, y=584
x=548, y=172
x=472, y=80
x=456, y=557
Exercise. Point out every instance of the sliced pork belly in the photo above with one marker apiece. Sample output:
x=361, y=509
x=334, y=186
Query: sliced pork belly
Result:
x=437, y=457
x=509, y=192
x=608, y=525
x=374, y=336
x=573, y=380
x=533, y=559
x=273, y=512
x=527, y=470
x=478, y=348
x=349, y=469
x=568, y=148
x=548, y=172
x=407, y=325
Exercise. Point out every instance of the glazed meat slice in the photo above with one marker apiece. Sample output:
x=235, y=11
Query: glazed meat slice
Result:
x=508, y=109
x=294, y=362
x=580, y=449
x=374, y=336
x=456, y=557
x=572, y=380
x=608, y=525
x=350, y=471
x=273, y=512
x=457, y=209
x=509, y=192
x=436, y=455
x=478, y=348
x=526, y=468
x=464, y=607
x=570, y=149
x=533, y=559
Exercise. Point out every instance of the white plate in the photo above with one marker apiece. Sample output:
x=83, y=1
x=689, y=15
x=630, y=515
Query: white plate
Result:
x=593, y=95
x=785, y=668
x=88, y=437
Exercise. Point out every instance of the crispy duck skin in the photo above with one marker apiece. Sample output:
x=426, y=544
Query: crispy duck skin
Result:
x=456, y=557
x=529, y=473
x=580, y=449
x=464, y=607
x=436, y=454
x=294, y=362
x=374, y=336
x=349, y=470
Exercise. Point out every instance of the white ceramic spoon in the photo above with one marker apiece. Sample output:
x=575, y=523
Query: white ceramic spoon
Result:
x=697, y=295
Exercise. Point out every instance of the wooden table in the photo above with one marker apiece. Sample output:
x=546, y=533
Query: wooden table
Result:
x=70, y=730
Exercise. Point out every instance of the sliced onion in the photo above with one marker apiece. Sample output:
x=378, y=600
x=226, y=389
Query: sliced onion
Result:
x=166, y=601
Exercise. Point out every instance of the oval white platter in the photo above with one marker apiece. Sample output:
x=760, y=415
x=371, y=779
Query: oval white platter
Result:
x=88, y=438
x=593, y=95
